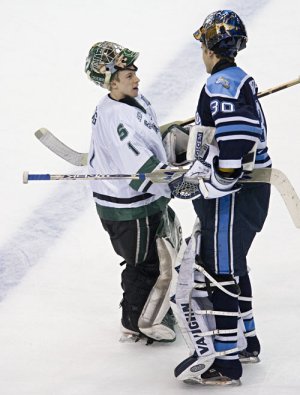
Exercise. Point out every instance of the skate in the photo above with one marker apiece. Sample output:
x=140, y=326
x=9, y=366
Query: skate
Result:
x=213, y=377
x=248, y=357
x=128, y=335
x=217, y=374
x=250, y=354
x=162, y=333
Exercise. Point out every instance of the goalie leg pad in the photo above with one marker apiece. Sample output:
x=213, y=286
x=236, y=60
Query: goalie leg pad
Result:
x=155, y=320
x=251, y=349
x=134, y=241
x=157, y=304
x=192, y=325
x=137, y=282
x=224, y=302
x=204, y=320
x=245, y=303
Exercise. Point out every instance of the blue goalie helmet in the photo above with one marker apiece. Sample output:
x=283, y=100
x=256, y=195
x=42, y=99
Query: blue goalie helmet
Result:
x=223, y=32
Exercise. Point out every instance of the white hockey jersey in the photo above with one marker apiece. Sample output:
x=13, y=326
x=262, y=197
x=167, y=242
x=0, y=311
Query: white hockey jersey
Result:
x=126, y=140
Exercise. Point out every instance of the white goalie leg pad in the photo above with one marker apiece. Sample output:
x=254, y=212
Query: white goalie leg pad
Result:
x=195, y=314
x=158, y=302
x=192, y=325
x=198, y=136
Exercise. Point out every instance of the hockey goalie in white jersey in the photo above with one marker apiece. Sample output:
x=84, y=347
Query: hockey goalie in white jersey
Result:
x=143, y=230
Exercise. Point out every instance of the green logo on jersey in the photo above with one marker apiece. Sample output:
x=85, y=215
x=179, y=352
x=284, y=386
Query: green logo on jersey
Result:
x=122, y=131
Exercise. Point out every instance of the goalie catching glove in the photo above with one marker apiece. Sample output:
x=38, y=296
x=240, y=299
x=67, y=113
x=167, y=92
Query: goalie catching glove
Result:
x=213, y=182
x=204, y=178
x=182, y=189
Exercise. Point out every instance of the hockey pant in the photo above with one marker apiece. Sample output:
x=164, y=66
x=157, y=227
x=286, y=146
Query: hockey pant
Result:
x=149, y=247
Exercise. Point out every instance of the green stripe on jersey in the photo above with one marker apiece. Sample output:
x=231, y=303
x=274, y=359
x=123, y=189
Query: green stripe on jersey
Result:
x=147, y=167
x=127, y=214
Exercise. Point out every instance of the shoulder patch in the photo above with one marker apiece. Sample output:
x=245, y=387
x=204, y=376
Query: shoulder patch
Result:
x=226, y=83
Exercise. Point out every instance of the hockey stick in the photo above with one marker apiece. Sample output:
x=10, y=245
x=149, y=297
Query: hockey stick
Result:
x=157, y=176
x=80, y=159
x=283, y=185
x=259, y=95
x=59, y=148
x=274, y=177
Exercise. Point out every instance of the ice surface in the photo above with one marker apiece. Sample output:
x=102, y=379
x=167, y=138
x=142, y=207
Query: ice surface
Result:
x=59, y=278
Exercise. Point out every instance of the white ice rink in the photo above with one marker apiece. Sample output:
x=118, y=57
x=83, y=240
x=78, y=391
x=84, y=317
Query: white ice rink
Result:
x=59, y=278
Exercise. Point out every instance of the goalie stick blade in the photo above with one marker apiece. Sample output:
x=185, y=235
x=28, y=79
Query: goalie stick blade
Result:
x=74, y=157
x=283, y=185
x=59, y=148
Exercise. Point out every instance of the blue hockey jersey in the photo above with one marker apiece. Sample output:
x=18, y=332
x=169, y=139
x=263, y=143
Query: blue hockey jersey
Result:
x=229, y=103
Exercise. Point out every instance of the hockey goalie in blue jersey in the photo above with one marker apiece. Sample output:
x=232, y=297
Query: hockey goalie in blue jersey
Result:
x=229, y=103
x=228, y=139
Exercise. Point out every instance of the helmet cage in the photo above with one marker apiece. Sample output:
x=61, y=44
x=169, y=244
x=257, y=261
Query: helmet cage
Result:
x=105, y=59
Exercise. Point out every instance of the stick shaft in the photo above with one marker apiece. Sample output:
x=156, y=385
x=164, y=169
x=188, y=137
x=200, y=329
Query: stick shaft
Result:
x=271, y=176
x=259, y=95
x=162, y=175
x=80, y=159
x=279, y=87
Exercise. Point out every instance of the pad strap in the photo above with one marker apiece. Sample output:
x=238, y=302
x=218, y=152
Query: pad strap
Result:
x=216, y=283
